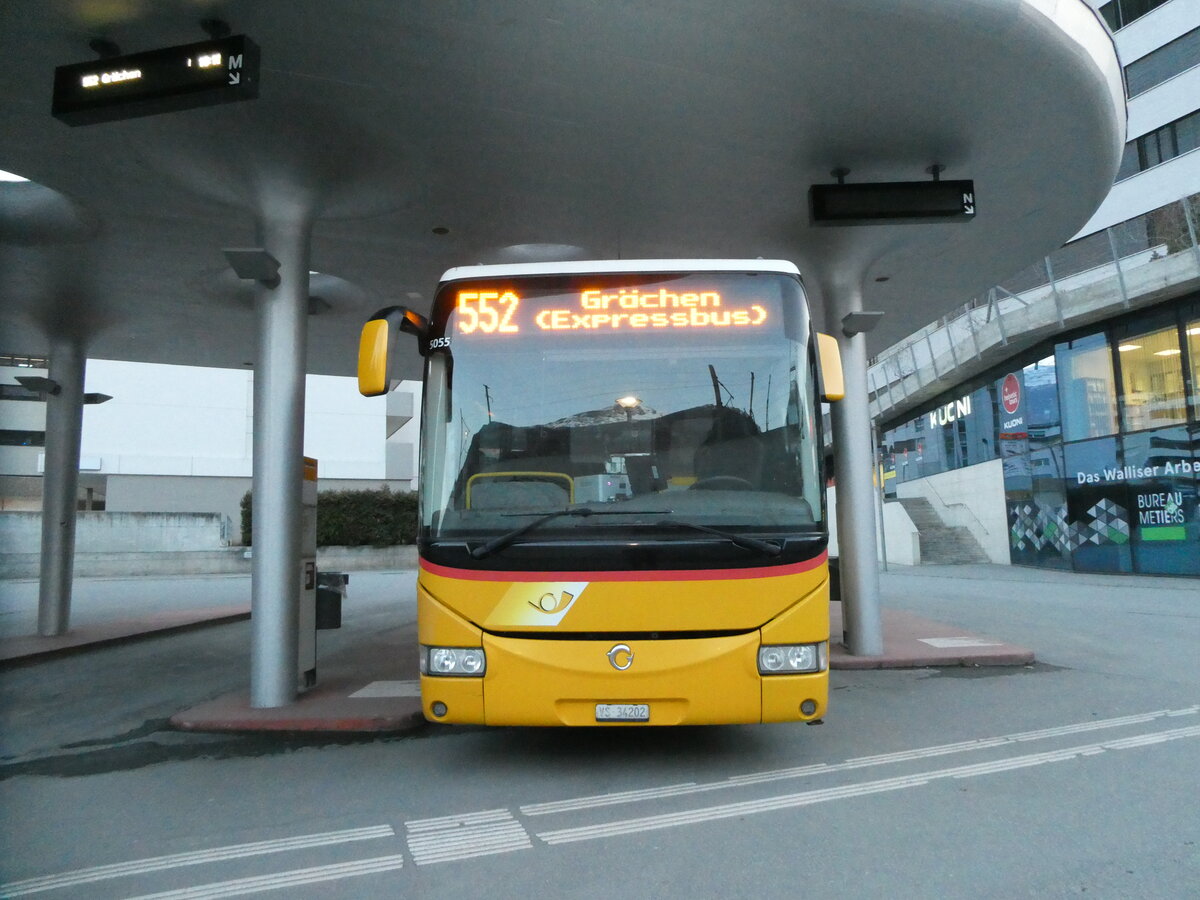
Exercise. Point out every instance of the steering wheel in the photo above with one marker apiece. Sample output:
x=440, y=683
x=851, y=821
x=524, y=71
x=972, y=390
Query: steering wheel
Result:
x=721, y=483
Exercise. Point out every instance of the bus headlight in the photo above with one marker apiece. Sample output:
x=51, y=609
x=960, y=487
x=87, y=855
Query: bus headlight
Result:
x=788, y=659
x=469, y=661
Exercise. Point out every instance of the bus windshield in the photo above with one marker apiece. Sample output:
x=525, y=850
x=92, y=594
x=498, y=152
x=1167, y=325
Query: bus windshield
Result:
x=649, y=399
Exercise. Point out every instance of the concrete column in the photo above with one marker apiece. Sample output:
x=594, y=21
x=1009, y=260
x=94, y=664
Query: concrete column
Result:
x=278, y=461
x=60, y=483
x=853, y=464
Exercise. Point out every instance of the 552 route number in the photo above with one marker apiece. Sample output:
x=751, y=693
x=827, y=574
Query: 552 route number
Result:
x=490, y=312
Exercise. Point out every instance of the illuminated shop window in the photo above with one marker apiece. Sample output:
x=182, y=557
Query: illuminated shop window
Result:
x=1192, y=335
x=1151, y=380
x=1086, y=388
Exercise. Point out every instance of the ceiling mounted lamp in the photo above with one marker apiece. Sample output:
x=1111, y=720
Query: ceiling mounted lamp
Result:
x=48, y=387
x=40, y=384
x=254, y=264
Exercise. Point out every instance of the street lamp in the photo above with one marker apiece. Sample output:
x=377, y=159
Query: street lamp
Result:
x=629, y=403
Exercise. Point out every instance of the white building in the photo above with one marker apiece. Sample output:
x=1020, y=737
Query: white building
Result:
x=180, y=438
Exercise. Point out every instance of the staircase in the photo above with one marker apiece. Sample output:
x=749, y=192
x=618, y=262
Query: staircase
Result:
x=941, y=543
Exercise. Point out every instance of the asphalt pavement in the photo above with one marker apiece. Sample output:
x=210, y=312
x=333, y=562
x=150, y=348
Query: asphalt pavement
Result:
x=1073, y=775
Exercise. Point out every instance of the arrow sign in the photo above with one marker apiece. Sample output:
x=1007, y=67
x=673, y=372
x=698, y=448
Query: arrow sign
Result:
x=235, y=77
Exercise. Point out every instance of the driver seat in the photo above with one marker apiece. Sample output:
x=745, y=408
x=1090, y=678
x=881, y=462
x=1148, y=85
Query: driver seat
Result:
x=738, y=457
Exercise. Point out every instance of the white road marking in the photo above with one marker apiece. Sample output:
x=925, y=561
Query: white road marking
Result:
x=950, y=642
x=806, y=798
x=458, y=837
x=293, y=878
x=449, y=838
x=388, y=689
x=195, y=857
x=555, y=806
x=578, y=803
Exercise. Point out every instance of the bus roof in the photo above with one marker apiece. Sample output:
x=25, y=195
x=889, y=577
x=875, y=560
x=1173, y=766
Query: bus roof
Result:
x=619, y=266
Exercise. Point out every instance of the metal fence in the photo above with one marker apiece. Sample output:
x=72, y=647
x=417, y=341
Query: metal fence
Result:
x=1105, y=271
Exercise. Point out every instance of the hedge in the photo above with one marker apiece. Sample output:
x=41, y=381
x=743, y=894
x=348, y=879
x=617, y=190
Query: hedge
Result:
x=356, y=518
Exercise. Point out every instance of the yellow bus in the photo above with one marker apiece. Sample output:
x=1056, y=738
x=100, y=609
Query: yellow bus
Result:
x=622, y=496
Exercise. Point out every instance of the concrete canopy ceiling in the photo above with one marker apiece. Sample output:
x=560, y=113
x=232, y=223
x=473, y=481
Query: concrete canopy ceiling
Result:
x=535, y=129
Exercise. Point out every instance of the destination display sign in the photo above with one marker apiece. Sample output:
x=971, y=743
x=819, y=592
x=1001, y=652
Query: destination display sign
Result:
x=893, y=202
x=505, y=312
x=219, y=70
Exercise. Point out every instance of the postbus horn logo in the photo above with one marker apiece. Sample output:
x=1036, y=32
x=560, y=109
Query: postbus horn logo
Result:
x=548, y=603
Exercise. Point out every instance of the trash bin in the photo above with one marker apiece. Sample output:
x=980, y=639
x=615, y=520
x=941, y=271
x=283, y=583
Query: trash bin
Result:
x=331, y=588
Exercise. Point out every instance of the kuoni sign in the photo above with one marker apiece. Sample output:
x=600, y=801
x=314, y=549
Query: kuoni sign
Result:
x=951, y=412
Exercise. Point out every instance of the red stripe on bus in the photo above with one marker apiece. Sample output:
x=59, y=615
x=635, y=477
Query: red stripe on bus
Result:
x=658, y=575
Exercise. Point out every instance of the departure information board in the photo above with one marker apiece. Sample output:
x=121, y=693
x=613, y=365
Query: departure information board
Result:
x=893, y=202
x=219, y=70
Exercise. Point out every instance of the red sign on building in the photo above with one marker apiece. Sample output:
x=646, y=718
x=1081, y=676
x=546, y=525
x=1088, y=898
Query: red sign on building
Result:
x=1010, y=393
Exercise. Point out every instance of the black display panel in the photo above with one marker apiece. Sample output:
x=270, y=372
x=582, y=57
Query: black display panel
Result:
x=219, y=70
x=893, y=202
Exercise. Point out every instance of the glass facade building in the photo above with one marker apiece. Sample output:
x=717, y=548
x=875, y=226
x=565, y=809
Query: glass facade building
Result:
x=1098, y=434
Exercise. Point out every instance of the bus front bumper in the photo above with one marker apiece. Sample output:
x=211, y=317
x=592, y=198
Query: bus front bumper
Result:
x=692, y=681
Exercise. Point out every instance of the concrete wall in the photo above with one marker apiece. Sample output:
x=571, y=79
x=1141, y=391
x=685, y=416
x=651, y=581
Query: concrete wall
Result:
x=230, y=561
x=178, y=494
x=972, y=497
x=194, y=494
x=104, y=532
x=902, y=539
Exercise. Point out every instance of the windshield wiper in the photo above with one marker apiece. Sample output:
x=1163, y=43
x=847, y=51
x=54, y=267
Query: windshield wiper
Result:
x=503, y=540
x=770, y=548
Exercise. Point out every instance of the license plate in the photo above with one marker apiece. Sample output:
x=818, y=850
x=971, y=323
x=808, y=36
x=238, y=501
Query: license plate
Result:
x=622, y=712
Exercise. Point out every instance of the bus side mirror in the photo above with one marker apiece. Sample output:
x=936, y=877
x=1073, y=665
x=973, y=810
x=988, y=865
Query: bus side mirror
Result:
x=829, y=368
x=377, y=343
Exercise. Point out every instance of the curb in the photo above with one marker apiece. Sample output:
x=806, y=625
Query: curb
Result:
x=400, y=724
x=840, y=659
x=15, y=651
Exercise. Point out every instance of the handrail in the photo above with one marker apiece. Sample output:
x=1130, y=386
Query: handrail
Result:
x=1103, y=258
